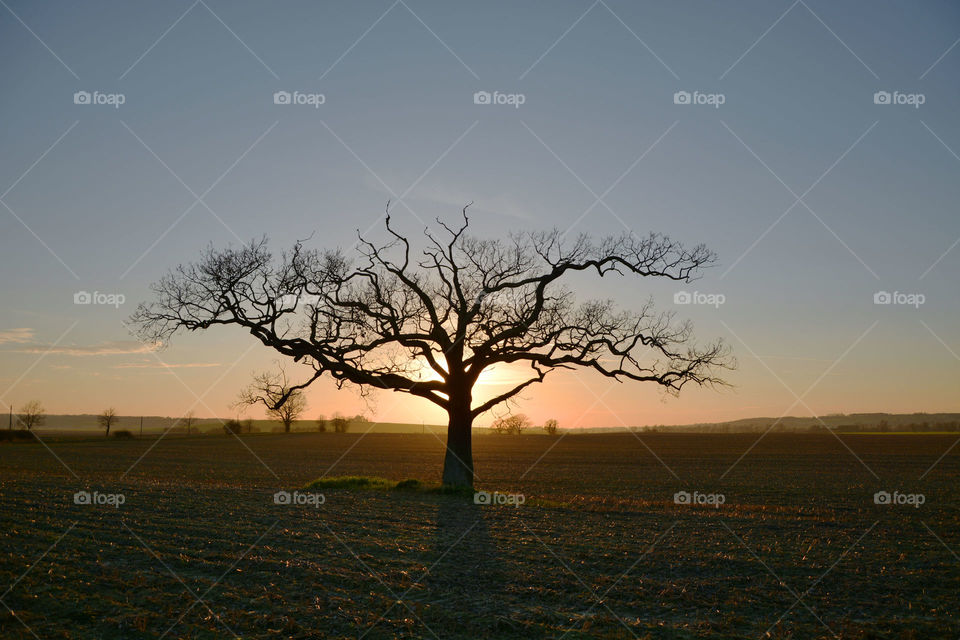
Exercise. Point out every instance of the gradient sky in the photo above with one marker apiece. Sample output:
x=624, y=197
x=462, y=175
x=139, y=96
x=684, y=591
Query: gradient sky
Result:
x=97, y=198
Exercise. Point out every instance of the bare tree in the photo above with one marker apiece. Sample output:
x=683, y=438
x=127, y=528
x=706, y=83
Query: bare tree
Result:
x=276, y=393
x=107, y=419
x=551, y=426
x=429, y=325
x=340, y=424
x=188, y=420
x=322, y=423
x=513, y=424
x=32, y=415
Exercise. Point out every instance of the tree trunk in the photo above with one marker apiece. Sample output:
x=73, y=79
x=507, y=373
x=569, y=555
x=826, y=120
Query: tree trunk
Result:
x=458, y=463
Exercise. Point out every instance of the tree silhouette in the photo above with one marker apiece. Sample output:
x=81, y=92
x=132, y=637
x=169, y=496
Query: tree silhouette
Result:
x=551, y=426
x=276, y=393
x=429, y=325
x=340, y=424
x=32, y=415
x=514, y=424
x=188, y=420
x=108, y=418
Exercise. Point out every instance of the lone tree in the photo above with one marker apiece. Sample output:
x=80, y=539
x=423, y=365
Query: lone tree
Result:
x=188, y=420
x=107, y=419
x=515, y=424
x=340, y=424
x=283, y=402
x=430, y=324
x=551, y=426
x=32, y=415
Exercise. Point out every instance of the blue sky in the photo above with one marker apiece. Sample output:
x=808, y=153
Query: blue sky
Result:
x=814, y=196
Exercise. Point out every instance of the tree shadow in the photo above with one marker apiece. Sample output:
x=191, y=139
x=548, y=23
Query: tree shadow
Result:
x=464, y=588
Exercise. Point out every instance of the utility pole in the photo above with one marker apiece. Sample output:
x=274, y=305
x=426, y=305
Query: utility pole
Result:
x=10, y=423
x=141, y=426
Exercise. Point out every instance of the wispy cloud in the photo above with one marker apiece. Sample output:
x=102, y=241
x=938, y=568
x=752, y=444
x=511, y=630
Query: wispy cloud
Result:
x=115, y=347
x=801, y=358
x=161, y=365
x=20, y=335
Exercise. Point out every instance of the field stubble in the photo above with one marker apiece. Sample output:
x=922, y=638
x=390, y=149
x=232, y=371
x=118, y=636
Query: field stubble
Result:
x=600, y=548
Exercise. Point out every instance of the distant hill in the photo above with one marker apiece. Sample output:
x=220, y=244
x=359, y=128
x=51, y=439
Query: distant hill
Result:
x=914, y=422
x=87, y=423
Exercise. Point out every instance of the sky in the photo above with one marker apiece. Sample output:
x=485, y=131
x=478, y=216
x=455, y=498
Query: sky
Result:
x=813, y=145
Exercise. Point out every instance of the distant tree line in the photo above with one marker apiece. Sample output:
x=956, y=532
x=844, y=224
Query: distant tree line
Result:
x=33, y=414
x=813, y=426
x=516, y=424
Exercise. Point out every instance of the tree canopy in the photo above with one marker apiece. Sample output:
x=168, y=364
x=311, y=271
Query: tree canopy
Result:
x=428, y=322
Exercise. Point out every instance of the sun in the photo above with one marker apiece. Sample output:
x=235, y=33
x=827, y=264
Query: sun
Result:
x=497, y=375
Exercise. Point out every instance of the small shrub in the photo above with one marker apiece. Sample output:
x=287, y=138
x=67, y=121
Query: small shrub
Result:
x=366, y=482
x=352, y=482
x=410, y=484
x=123, y=434
x=233, y=426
